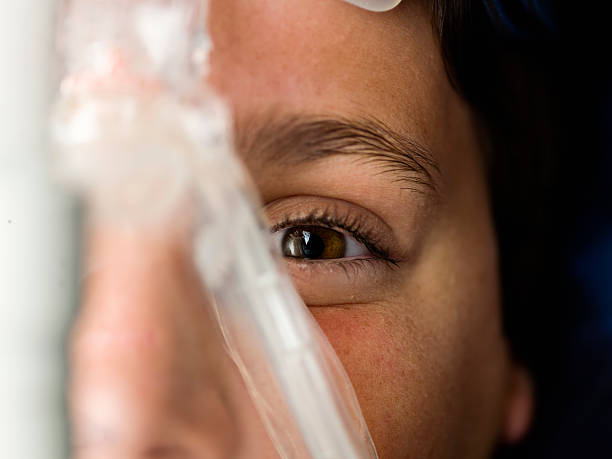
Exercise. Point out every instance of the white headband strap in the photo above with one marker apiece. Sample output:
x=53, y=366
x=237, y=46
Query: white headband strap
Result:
x=375, y=5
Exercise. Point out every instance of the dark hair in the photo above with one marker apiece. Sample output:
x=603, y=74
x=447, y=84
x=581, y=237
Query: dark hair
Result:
x=508, y=83
x=542, y=162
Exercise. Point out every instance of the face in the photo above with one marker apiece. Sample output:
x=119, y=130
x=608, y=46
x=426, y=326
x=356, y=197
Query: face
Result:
x=370, y=168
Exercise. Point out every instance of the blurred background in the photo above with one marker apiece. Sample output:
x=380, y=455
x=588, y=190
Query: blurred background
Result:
x=560, y=312
x=37, y=243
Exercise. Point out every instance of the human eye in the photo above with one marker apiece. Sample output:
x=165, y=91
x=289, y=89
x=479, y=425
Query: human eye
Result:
x=337, y=251
x=314, y=242
x=326, y=233
x=325, y=236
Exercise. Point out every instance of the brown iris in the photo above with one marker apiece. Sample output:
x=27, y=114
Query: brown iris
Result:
x=313, y=242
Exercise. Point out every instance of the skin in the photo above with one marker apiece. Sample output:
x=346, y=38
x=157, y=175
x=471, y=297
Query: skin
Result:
x=421, y=341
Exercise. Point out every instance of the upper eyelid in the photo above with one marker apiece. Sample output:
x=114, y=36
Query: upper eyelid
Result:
x=335, y=207
x=329, y=217
x=325, y=220
x=288, y=224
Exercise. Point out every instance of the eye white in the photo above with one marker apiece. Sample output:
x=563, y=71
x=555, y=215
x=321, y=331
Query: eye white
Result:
x=354, y=248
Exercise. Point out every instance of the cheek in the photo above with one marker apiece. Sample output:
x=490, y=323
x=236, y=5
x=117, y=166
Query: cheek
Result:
x=428, y=368
x=358, y=335
x=388, y=369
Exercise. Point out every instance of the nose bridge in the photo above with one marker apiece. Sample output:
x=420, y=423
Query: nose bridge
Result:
x=149, y=375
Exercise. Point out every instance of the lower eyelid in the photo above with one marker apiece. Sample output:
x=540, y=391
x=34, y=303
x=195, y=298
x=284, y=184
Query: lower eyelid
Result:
x=351, y=267
x=344, y=281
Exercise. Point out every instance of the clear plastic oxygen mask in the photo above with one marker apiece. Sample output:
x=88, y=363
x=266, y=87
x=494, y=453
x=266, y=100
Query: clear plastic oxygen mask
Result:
x=146, y=144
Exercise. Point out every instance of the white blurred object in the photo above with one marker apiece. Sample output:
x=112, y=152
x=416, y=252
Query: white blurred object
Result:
x=37, y=243
x=139, y=134
x=375, y=5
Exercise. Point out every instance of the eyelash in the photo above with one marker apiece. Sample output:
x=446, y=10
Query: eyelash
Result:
x=352, y=224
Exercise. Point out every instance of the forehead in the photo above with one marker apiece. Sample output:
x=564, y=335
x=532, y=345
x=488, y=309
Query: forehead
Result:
x=326, y=56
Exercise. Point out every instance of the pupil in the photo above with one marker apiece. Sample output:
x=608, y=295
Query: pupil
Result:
x=312, y=245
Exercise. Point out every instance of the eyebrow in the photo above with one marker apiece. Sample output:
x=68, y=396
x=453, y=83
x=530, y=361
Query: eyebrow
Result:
x=298, y=139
